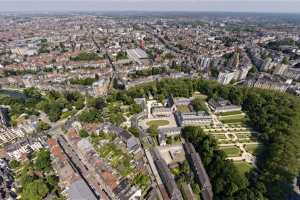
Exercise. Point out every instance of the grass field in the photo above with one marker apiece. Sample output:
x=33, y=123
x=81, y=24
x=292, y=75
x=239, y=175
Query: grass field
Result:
x=199, y=95
x=233, y=120
x=243, y=136
x=253, y=148
x=230, y=113
x=239, y=116
x=243, y=167
x=231, y=151
x=183, y=108
x=158, y=123
x=219, y=136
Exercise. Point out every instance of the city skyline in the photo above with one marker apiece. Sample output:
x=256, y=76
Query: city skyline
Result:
x=266, y=6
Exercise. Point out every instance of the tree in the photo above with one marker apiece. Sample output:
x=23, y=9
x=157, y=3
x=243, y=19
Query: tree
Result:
x=214, y=72
x=98, y=103
x=153, y=131
x=199, y=105
x=117, y=118
x=52, y=183
x=134, y=131
x=54, y=112
x=285, y=61
x=83, y=81
x=43, y=162
x=224, y=176
x=35, y=190
x=122, y=55
x=135, y=108
x=90, y=116
x=83, y=133
x=85, y=56
x=42, y=126
x=14, y=164
x=79, y=104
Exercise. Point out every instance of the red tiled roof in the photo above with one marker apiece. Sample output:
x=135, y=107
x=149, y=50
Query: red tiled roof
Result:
x=56, y=151
x=52, y=142
x=109, y=179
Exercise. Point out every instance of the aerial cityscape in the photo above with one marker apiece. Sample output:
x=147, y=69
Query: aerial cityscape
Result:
x=129, y=105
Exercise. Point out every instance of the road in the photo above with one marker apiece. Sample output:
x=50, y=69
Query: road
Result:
x=113, y=76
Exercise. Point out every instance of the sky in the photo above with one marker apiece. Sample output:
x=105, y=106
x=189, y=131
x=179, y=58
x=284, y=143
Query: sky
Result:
x=274, y=6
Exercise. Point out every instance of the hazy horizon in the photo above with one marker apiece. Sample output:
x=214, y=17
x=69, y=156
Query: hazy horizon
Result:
x=266, y=6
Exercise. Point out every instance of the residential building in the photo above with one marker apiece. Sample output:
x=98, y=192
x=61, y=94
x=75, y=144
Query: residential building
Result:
x=280, y=69
x=161, y=111
x=166, y=176
x=25, y=146
x=128, y=139
x=226, y=77
x=193, y=118
x=222, y=105
x=164, y=133
x=199, y=171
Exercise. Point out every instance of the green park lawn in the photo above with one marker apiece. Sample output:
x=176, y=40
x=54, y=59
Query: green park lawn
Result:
x=239, y=116
x=219, y=136
x=231, y=151
x=243, y=135
x=230, y=113
x=253, y=148
x=233, y=120
x=157, y=123
x=199, y=95
x=243, y=167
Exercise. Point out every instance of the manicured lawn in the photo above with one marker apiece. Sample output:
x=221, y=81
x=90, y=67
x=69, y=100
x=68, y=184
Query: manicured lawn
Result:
x=243, y=136
x=230, y=113
x=199, y=95
x=231, y=151
x=183, y=108
x=233, y=120
x=240, y=116
x=158, y=123
x=219, y=136
x=253, y=148
x=243, y=167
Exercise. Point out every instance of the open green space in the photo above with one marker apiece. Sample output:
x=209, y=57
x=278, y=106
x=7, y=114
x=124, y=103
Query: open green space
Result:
x=231, y=151
x=183, y=108
x=253, y=148
x=240, y=136
x=199, y=95
x=215, y=131
x=243, y=167
x=239, y=116
x=233, y=120
x=157, y=123
x=230, y=113
x=225, y=141
x=219, y=136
